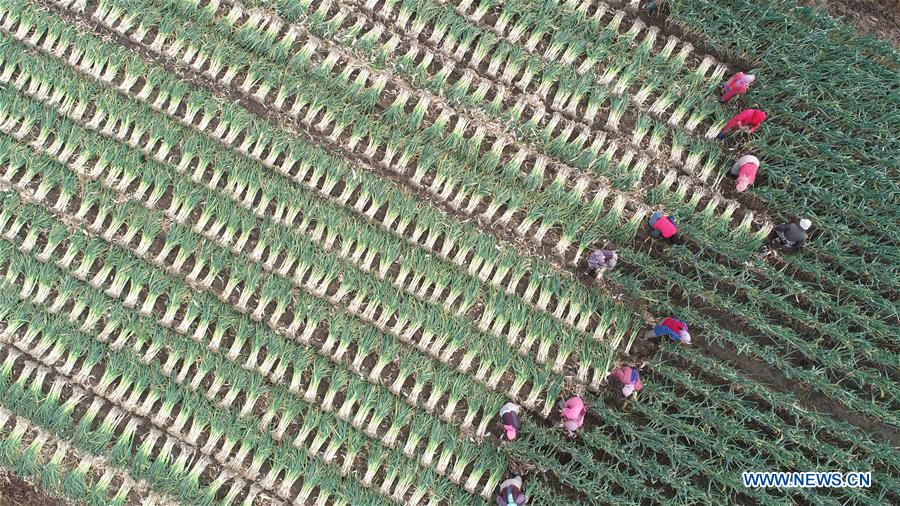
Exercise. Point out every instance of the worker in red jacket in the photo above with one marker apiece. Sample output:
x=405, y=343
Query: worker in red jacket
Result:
x=748, y=120
x=630, y=379
x=736, y=86
x=663, y=225
x=744, y=170
x=676, y=329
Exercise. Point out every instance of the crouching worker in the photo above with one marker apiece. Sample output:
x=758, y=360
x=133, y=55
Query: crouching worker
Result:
x=630, y=379
x=509, y=417
x=736, y=86
x=793, y=235
x=676, y=329
x=748, y=120
x=663, y=225
x=573, y=411
x=511, y=493
x=744, y=170
x=601, y=261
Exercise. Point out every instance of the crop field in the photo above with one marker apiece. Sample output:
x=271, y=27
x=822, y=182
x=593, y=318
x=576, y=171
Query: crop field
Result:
x=267, y=252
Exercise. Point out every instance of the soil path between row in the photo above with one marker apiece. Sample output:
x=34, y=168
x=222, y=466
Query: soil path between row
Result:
x=15, y=491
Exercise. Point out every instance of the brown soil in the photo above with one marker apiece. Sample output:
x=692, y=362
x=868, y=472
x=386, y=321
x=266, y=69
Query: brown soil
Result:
x=14, y=491
x=881, y=19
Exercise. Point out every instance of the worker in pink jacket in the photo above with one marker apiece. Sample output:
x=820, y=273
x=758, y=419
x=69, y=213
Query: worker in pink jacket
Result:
x=748, y=120
x=663, y=225
x=736, y=86
x=744, y=170
x=573, y=411
x=630, y=379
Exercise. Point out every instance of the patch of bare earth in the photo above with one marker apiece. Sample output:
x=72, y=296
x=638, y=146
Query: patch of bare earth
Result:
x=14, y=491
x=873, y=17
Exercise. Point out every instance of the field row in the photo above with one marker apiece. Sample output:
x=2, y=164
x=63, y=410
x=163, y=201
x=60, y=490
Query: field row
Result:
x=301, y=252
x=680, y=190
x=727, y=213
x=229, y=383
x=531, y=289
x=564, y=242
x=63, y=469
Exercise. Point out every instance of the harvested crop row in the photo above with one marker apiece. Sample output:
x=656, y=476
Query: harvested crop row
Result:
x=238, y=388
x=565, y=132
x=95, y=423
x=259, y=252
x=275, y=156
x=178, y=209
x=558, y=307
x=95, y=160
x=90, y=169
x=64, y=470
x=379, y=55
x=442, y=188
x=610, y=54
x=195, y=265
x=122, y=340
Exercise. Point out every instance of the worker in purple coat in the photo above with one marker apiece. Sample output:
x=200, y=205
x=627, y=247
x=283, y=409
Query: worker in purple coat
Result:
x=511, y=493
x=509, y=417
x=602, y=260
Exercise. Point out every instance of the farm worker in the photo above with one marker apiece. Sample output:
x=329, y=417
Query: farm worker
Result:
x=748, y=120
x=664, y=226
x=794, y=235
x=511, y=493
x=745, y=171
x=573, y=411
x=630, y=379
x=601, y=261
x=676, y=329
x=736, y=86
x=509, y=417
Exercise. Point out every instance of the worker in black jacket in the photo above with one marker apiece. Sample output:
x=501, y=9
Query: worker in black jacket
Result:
x=794, y=235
